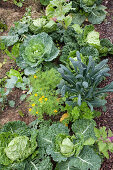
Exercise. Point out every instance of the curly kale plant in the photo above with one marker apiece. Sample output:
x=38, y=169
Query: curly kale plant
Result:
x=80, y=82
x=35, y=50
x=91, y=9
x=86, y=40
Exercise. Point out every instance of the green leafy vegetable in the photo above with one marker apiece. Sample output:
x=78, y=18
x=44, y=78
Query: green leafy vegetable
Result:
x=17, y=142
x=104, y=142
x=91, y=74
x=35, y=50
x=87, y=159
x=16, y=73
x=19, y=148
x=57, y=11
x=90, y=9
x=42, y=25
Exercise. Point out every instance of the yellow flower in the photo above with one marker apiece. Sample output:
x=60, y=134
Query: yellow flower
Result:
x=30, y=109
x=36, y=94
x=42, y=96
x=46, y=99
x=64, y=116
x=40, y=99
x=55, y=111
x=58, y=99
x=35, y=76
x=33, y=105
x=36, y=112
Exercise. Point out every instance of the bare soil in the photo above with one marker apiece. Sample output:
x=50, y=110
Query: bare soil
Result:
x=10, y=13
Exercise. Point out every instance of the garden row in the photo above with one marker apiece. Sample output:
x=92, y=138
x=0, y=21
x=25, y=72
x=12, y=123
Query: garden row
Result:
x=59, y=70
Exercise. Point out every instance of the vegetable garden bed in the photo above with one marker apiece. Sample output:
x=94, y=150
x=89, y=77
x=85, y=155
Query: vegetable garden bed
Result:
x=34, y=88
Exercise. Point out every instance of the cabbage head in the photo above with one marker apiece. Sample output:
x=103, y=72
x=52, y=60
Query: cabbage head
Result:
x=67, y=147
x=19, y=148
x=35, y=50
x=64, y=145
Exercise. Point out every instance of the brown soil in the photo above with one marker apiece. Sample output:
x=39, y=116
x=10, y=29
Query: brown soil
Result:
x=106, y=118
x=106, y=28
x=10, y=13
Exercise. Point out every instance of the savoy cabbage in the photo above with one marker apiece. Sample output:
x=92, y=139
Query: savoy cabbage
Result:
x=35, y=50
x=17, y=142
x=88, y=9
x=18, y=148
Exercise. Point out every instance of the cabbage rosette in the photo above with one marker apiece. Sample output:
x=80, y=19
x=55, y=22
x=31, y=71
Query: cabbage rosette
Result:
x=64, y=144
x=35, y=50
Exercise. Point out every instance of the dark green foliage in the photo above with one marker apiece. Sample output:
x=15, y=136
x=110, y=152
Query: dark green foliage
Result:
x=17, y=127
x=44, y=2
x=107, y=47
x=84, y=129
x=91, y=9
x=87, y=159
x=81, y=82
x=90, y=51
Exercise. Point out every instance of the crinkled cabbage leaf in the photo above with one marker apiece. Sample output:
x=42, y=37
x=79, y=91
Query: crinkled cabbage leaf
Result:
x=35, y=50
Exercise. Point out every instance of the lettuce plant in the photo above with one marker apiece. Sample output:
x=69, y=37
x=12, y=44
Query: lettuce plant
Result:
x=79, y=112
x=15, y=80
x=89, y=40
x=35, y=50
x=86, y=40
x=57, y=10
x=80, y=83
x=42, y=25
x=91, y=9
